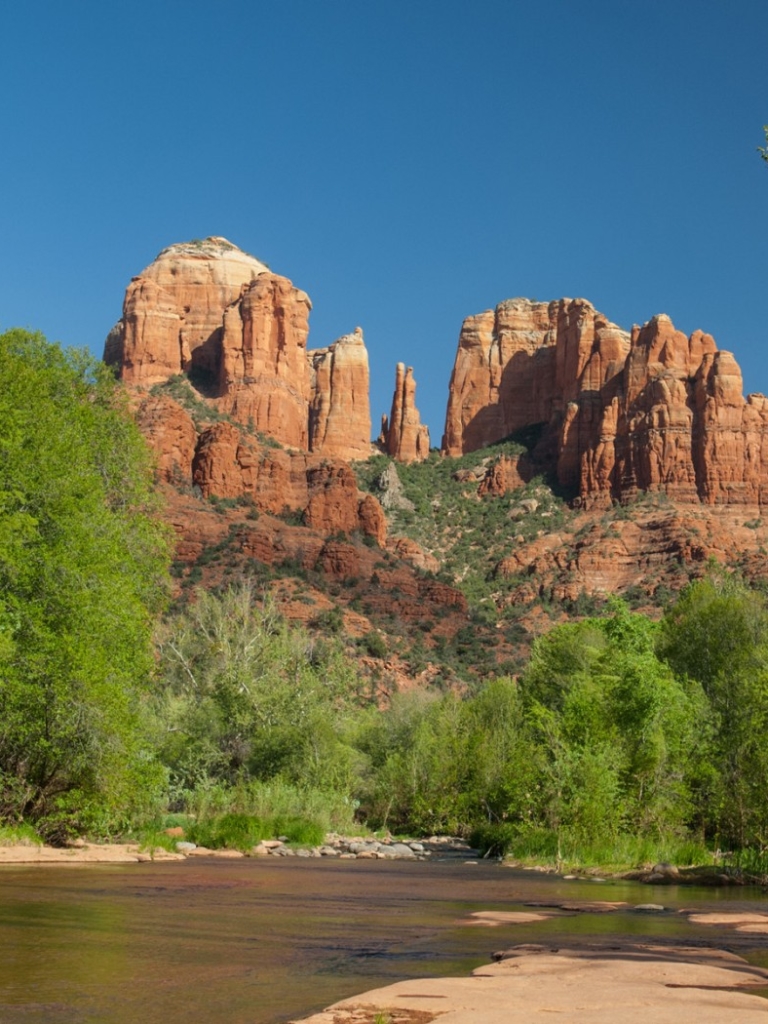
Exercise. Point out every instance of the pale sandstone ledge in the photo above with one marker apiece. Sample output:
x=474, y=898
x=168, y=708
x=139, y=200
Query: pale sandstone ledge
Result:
x=639, y=984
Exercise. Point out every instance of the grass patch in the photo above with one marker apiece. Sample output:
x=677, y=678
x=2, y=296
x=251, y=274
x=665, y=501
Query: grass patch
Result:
x=236, y=831
x=19, y=835
x=151, y=840
x=335, y=812
x=563, y=852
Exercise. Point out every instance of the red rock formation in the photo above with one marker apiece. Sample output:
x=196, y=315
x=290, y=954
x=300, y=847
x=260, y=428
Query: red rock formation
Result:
x=336, y=506
x=240, y=331
x=263, y=371
x=654, y=411
x=229, y=465
x=173, y=311
x=339, y=411
x=171, y=433
x=403, y=436
x=521, y=364
x=506, y=474
x=408, y=549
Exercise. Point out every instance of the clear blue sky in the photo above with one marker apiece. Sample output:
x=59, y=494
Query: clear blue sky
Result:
x=406, y=163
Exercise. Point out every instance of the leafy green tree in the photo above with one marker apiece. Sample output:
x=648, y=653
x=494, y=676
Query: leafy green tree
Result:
x=82, y=572
x=420, y=765
x=717, y=635
x=506, y=764
x=618, y=728
x=246, y=695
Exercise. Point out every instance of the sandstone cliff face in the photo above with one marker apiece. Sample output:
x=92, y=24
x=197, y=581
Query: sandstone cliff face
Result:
x=173, y=311
x=227, y=464
x=620, y=414
x=240, y=332
x=339, y=410
x=521, y=364
x=403, y=436
x=262, y=365
x=171, y=433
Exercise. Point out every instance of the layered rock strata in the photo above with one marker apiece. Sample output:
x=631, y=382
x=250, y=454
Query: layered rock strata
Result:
x=172, y=312
x=617, y=413
x=228, y=465
x=262, y=363
x=403, y=435
x=239, y=332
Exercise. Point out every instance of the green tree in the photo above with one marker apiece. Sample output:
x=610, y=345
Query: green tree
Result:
x=717, y=635
x=246, y=695
x=618, y=728
x=82, y=572
x=763, y=150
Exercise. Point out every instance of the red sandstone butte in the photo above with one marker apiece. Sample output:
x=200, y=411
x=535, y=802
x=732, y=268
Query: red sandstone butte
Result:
x=619, y=413
x=173, y=311
x=239, y=332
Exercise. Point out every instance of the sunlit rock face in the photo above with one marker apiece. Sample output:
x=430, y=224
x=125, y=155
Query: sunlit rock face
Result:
x=616, y=413
x=403, y=435
x=274, y=423
x=339, y=410
x=220, y=316
x=173, y=311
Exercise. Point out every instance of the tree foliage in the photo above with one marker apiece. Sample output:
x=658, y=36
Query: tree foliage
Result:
x=247, y=696
x=618, y=728
x=717, y=635
x=82, y=569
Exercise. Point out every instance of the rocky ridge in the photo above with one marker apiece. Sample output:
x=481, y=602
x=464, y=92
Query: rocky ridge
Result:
x=646, y=433
x=239, y=333
x=618, y=413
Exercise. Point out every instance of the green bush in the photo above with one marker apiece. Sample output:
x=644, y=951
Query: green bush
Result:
x=301, y=831
x=237, y=831
x=231, y=831
x=493, y=840
x=19, y=835
x=375, y=644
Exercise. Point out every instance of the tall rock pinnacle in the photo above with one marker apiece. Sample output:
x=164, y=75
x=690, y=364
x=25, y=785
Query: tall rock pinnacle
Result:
x=403, y=435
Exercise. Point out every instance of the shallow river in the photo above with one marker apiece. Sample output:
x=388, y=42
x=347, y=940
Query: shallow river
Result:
x=255, y=941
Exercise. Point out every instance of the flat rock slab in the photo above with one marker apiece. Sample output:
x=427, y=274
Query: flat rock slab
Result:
x=581, y=906
x=741, y=922
x=494, y=918
x=639, y=985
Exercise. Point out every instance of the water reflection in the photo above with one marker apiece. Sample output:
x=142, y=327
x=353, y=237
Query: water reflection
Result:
x=264, y=941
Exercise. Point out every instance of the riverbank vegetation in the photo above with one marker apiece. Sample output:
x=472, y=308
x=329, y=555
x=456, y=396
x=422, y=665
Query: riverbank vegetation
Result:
x=622, y=740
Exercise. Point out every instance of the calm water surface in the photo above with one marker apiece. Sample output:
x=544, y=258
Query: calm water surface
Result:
x=263, y=941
